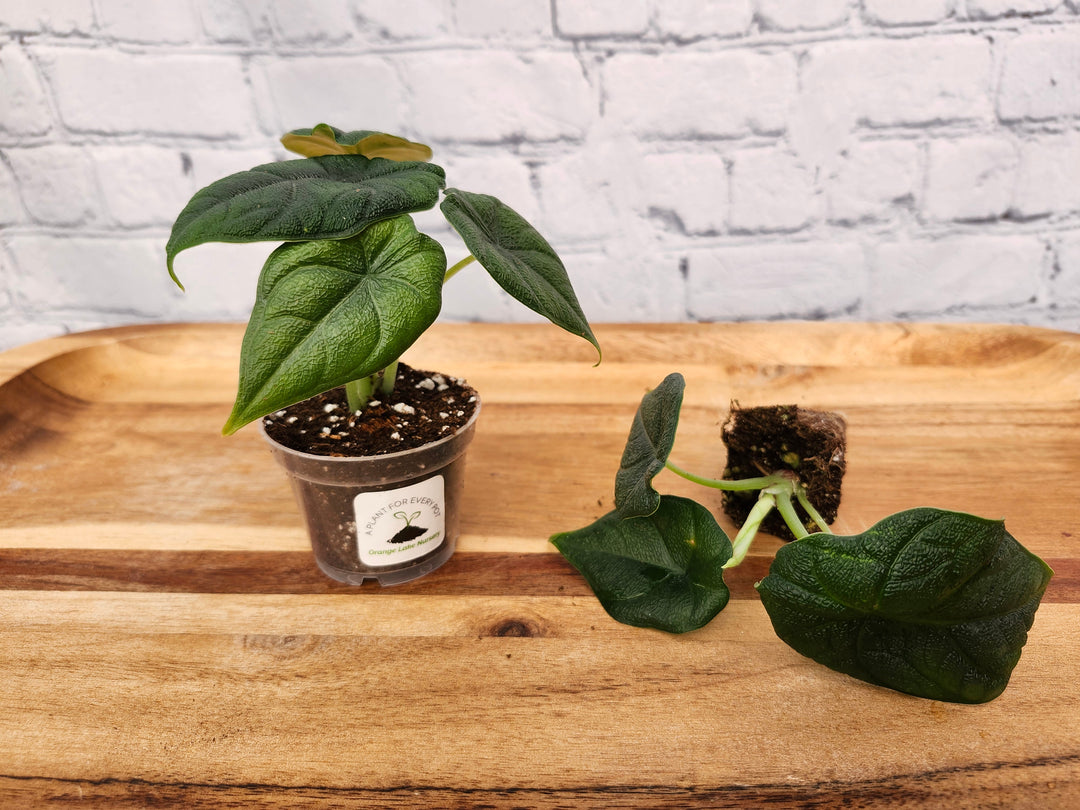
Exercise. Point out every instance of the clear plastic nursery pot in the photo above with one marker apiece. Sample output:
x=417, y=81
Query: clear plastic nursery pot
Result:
x=391, y=517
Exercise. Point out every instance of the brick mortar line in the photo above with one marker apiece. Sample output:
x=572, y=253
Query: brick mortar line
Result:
x=559, y=44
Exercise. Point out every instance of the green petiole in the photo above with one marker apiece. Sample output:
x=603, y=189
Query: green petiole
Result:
x=359, y=392
x=457, y=268
x=389, y=377
x=743, y=540
x=742, y=485
x=815, y=516
x=787, y=511
x=778, y=491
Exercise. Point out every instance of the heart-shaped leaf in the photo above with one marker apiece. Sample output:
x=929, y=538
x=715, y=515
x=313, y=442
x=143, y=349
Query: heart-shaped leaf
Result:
x=663, y=571
x=929, y=602
x=519, y=259
x=652, y=435
x=331, y=197
x=327, y=140
x=332, y=311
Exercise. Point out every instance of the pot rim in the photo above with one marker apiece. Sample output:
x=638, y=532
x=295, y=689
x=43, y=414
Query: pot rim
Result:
x=381, y=457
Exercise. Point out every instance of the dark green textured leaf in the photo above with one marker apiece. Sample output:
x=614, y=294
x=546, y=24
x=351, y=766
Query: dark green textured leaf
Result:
x=519, y=259
x=929, y=602
x=652, y=435
x=663, y=571
x=333, y=311
x=331, y=197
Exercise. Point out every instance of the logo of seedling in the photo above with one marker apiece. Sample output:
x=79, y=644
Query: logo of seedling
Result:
x=394, y=526
x=408, y=532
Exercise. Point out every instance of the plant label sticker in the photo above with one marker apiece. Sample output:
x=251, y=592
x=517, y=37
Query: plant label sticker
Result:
x=398, y=525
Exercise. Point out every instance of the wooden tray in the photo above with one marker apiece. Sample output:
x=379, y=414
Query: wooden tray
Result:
x=167, y=639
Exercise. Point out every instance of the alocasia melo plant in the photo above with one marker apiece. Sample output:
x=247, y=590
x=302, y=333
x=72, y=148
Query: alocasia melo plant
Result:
x=355, y=283
x=927, y=601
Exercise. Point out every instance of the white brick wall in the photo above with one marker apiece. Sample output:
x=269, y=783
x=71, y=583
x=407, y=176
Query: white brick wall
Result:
x=910, y=12
x=730, y=93
x=970, y=178
x=691, y=159
x=784, y=15
x=1041, y=77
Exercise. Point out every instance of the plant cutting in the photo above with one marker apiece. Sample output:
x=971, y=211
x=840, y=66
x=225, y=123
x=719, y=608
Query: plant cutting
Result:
x=931, y=602
x=353, y=286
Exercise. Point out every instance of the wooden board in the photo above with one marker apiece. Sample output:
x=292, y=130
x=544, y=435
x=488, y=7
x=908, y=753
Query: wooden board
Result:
x=165, y=638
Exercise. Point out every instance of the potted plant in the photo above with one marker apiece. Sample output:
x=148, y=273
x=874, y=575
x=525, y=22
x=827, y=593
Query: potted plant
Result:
x=374, y=449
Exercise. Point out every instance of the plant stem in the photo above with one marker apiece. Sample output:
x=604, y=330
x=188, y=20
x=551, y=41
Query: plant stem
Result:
x=815, y=516
x=453, y=271
x=389, y=377
x=741, y=545
x=358, y=392
x=788, y=513
x=777, y=490
x=730, y=486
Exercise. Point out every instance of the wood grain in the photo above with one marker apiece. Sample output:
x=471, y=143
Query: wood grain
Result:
x=168, y=642
x=468, y=572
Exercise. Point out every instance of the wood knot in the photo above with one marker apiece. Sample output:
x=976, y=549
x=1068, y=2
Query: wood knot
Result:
x=279, y=645
x=513, y=628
